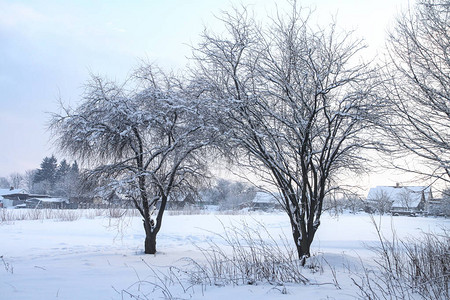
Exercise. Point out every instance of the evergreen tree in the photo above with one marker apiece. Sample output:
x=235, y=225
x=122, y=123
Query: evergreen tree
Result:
x=46, y=176
x=73, y=181
x=74, y=169
x=63, y=170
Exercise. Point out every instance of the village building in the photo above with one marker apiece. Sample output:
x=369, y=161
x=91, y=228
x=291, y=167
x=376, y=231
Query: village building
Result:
x=20, y=198
x=400, y=200
x=265, y=201
x=12, y=197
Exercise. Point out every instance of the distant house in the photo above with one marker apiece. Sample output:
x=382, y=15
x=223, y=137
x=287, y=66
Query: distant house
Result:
x=20, y=198
x=12, y=197
x=400, y=199
x=265, y=201
x=175, y=203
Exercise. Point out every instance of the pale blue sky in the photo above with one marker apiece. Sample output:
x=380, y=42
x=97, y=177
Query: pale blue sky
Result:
x=48, y=48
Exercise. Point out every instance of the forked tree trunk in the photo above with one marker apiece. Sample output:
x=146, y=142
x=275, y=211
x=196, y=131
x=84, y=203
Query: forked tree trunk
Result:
x=303, y=232
x=152, y=228
x=302, y=243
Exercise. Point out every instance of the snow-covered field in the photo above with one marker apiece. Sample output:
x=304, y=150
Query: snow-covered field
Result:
x=102, y=258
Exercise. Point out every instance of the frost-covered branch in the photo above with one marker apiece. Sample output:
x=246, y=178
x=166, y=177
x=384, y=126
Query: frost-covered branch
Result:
x=418, y=87
x=296, y=102
x=144, y=139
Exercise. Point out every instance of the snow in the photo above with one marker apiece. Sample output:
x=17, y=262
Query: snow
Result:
x=4, y=192
x=96, y=257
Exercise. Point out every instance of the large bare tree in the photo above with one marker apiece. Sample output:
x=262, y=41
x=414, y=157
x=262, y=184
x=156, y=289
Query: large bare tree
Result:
x=143, y=139
x=296, y=102
x=419, y=87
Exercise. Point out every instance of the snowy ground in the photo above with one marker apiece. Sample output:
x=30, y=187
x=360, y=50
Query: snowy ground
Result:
x=101, y=258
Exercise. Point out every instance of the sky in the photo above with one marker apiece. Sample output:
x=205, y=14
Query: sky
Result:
x=49, y=48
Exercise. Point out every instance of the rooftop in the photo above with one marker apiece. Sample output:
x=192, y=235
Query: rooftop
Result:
x=11, y=191
x=401, y=196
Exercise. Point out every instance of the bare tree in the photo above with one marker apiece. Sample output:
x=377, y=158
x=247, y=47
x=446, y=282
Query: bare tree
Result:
x=406, y=198
x=381, y=203
x=16, y=180
x=143, y=139
x=231, y=195
x=419, y=72
x=28, y=179
x=4, y=183
x=295, y=100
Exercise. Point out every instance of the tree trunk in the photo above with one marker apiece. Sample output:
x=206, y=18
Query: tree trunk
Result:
x=152, y=228
x=150, y=238
x=304, y=251
x=150, y=243
x=302, y=243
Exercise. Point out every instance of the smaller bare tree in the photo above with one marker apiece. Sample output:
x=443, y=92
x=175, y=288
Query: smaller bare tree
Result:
x=142, y=140
x=382, y=202
x=16, y=180
x=4, y=183
x=406, y=198
x=28, y=179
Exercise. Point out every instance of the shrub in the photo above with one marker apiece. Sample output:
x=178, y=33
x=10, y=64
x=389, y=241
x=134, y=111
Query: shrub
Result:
x=246, y=258
x=413, y=268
